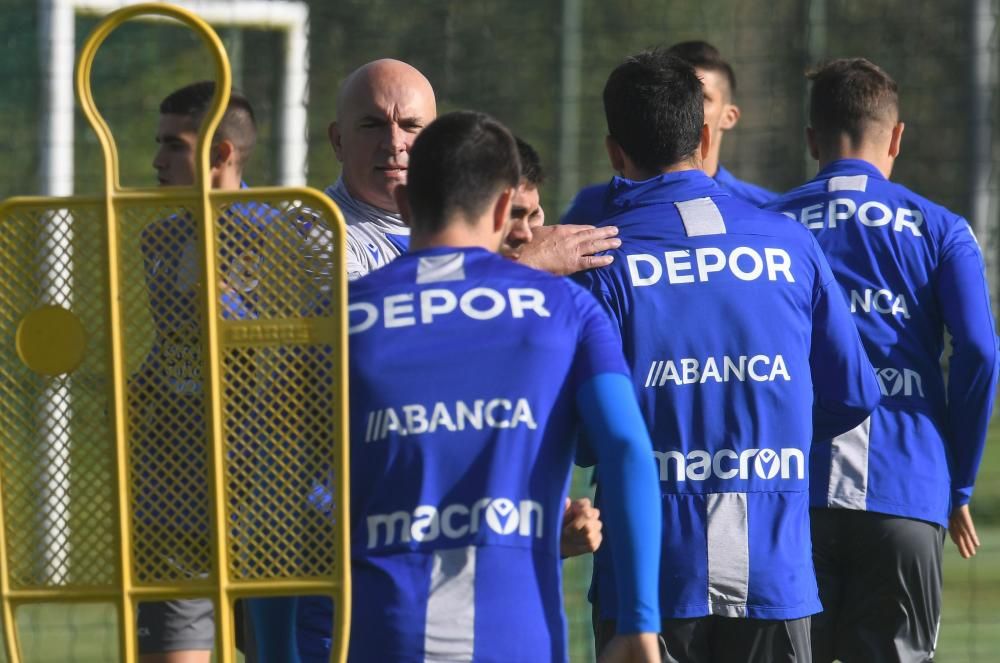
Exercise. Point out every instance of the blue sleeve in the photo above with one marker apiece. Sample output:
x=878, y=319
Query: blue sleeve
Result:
x=587, y=207
x=972, y=374
x=598, y=343
x=845, y=389
x=273, y=622
x=598, y=346
x=630, y=496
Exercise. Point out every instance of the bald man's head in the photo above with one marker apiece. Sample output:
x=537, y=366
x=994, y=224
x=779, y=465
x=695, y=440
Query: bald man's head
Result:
x=381, y=107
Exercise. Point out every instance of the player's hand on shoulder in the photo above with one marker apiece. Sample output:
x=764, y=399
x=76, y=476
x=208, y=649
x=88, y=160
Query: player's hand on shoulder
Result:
x=581, y=528
x=632, y=648
x=963, y=531
x=567, y=249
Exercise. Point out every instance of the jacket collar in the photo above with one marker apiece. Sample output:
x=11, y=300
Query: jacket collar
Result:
x=668, y=188
x=850, y=166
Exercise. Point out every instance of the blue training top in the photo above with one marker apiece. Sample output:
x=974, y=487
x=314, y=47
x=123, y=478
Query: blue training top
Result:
x=741, y=349
x=746, y=191
x=469, y=375
x=910, y=269
x=592, y=202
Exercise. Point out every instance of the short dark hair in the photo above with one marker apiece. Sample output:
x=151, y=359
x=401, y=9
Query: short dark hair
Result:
x=458, y=163
x=849, y=96
x=702, y=55
x=531, y=163
x=654, y=107
x=238, y=124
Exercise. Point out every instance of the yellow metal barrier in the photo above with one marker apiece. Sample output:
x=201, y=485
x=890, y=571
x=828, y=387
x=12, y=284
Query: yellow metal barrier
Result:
x=166, y=435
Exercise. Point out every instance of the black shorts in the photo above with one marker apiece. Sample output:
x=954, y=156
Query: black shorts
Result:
x=724, y=639
x=178, y=625
x=880, y=584
x=189, y=624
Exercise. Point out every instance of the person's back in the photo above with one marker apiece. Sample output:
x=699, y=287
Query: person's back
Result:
x=883, y=492
x=720, y=306
x=462, y=481
x=742, y=350
x=885, y=245
x=468, y=378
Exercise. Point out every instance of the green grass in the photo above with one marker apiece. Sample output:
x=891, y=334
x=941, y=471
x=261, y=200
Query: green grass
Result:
x=986, y=498
x=970, y=621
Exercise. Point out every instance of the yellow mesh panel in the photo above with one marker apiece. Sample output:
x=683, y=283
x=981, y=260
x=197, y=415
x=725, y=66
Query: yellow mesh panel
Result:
x=197, y=446
x=273, y=266
x=167, y=447
x=279, y=284
x=57, y=456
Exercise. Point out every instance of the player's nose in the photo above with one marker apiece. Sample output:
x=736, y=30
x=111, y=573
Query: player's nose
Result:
x=519, y=233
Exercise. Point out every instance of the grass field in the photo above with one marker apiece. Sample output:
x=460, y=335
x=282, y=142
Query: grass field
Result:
x=970, y=623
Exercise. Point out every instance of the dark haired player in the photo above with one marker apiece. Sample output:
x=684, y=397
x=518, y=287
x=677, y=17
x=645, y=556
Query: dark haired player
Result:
x=460, y=465
x=742, y=351
x=883, y=492
x=721, y=115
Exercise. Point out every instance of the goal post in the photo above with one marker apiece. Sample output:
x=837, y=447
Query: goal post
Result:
x=58, y=52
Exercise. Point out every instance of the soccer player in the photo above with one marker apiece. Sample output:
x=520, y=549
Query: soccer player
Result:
x=168, y=387
x=459, y=465
x=381, y=107
x=526, y=214
x=721, y=115
x=742, y=351
x=883, y=492
x=581, y=521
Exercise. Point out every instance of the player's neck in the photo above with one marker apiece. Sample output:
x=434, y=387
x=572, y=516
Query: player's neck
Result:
x=636, y=174
x=227, y=180
x=875, y=157
x=879, y=148
x=711, y=163
x=457, y=234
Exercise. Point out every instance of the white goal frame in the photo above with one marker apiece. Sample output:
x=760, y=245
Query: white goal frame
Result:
x=58, y=53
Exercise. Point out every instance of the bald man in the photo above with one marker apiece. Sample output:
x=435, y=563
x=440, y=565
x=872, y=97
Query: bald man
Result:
x=381, y=107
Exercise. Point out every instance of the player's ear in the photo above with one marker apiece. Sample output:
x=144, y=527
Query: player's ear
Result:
x=730, y=116
x=897, y=139
x=333, y=133
x=615, y=154
x=812, y=142
x=223, y=154
x=402, y=198
x=501, y=210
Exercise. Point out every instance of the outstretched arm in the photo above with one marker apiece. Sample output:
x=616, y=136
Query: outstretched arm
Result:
x=844, y=383
x=972, y=374
x=630, y=496
x=563, y=250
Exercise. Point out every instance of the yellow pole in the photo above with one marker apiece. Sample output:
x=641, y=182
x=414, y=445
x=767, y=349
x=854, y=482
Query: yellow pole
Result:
x=126, y=613
x=223, y=615
x=11, y=643
x=342, y=621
